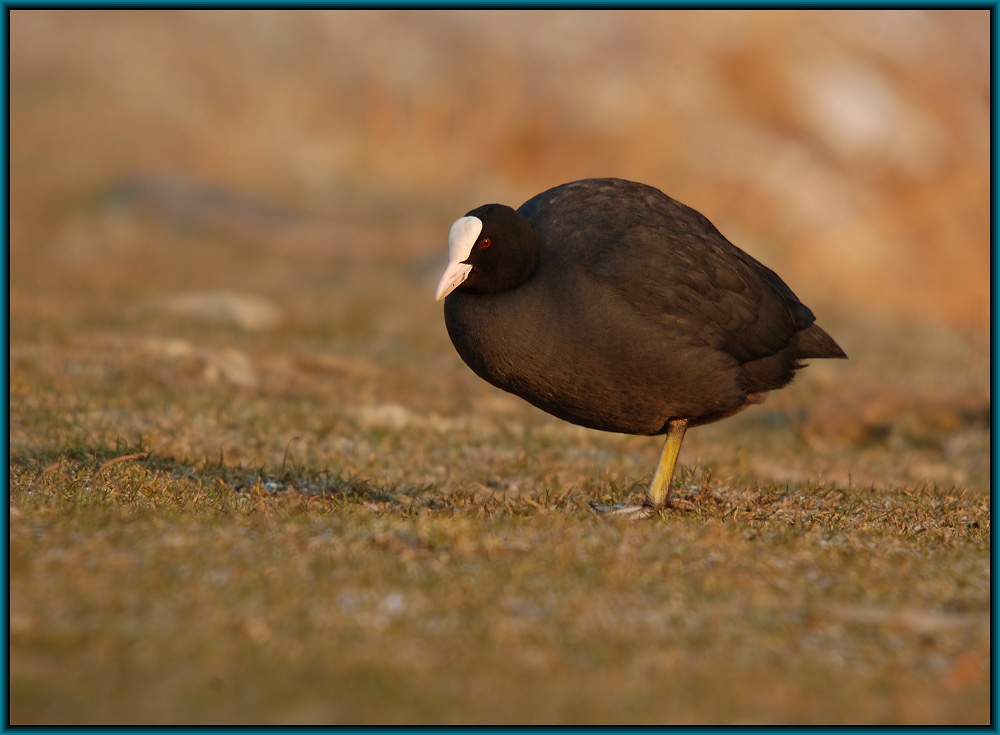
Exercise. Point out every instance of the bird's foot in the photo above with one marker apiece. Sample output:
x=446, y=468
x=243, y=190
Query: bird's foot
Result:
x=633, y=512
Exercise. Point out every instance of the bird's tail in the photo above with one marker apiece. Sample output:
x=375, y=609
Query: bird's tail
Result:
x=814, y=342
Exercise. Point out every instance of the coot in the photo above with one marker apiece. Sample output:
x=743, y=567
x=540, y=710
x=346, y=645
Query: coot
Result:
x=610, y=305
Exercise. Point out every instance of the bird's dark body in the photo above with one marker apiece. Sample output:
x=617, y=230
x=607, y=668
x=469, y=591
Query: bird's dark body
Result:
x=639, y=312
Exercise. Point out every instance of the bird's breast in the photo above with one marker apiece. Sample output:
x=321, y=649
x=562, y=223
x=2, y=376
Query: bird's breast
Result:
x=601, y=369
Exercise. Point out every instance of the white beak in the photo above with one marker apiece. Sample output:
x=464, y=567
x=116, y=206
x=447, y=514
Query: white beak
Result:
x=453, y=276
x=461, y=239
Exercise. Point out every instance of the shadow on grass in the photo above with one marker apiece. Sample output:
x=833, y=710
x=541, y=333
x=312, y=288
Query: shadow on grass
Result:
x=95, y=461
x=131, y=474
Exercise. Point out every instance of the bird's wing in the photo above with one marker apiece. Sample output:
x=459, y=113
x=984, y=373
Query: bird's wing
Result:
x=708, y=287
x=669, y=263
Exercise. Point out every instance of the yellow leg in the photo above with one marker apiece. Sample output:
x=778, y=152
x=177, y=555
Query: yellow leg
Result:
x=658, y=494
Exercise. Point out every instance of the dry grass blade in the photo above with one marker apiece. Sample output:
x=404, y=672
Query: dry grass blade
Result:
x=116, y=460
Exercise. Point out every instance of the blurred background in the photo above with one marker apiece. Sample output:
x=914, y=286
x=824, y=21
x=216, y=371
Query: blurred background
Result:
x=302, y=168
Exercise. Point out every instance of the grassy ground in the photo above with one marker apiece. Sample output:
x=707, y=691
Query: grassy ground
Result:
x=153, y=597
x=251, y=481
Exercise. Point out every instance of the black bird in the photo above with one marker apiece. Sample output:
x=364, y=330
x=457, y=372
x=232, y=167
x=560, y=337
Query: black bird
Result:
x=610, y=305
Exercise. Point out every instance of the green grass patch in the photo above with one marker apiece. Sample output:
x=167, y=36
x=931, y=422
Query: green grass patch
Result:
x=158, y=590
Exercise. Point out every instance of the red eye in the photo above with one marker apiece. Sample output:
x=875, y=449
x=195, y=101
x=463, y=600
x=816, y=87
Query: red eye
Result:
x=485, y=243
